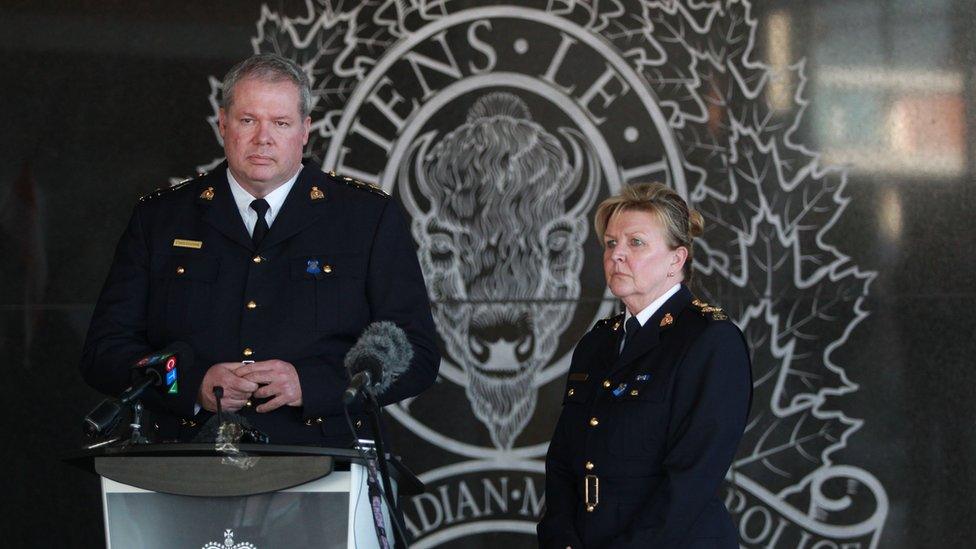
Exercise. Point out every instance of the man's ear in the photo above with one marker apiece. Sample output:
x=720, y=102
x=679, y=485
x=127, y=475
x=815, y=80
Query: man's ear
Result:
x=222, y=122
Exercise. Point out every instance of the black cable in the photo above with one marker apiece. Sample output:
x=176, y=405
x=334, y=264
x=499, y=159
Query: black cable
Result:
x=394, y=517
x=366, y=464
x=375, y=414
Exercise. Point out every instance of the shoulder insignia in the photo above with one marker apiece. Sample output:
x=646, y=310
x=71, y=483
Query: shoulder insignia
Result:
x=356, y=184
x=614, y=322
x=166, y=190
x=709, y=310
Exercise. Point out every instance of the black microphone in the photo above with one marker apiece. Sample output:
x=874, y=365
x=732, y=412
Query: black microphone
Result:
x=163, y=367
x=156, y=370
x=381, y=355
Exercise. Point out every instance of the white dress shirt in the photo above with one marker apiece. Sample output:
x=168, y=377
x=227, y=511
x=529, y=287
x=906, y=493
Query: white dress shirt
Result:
x=649, y=311
x=243, y=199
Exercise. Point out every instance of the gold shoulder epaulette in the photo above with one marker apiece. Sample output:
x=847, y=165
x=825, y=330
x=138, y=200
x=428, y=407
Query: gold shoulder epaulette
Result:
x=166, y=190
x=356, y=184
x=614, y=322
x=707, y=310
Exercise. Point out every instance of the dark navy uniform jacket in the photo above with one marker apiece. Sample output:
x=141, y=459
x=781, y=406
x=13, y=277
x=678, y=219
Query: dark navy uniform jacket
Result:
x=655, y=426
x=337, y=257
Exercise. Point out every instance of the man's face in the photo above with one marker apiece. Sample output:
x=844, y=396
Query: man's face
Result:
x=264, y=134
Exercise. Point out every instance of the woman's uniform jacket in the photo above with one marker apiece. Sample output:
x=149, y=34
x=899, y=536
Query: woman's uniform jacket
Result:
x=646, y=435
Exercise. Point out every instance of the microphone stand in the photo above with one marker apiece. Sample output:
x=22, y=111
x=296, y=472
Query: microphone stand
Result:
x=373, y=410
x=218, y=392
x=137, y=437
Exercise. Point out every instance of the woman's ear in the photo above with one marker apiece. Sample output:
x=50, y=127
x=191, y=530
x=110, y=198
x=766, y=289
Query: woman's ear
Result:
x=678, y=258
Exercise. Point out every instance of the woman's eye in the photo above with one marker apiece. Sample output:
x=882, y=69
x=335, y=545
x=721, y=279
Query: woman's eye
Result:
x=611, y=243
x=636, y=242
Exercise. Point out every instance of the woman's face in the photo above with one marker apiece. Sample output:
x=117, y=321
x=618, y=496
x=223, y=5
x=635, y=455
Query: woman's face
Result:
x=637, y=259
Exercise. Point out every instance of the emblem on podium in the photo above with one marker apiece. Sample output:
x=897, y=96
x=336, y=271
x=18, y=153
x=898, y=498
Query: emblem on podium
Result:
x=229, y=543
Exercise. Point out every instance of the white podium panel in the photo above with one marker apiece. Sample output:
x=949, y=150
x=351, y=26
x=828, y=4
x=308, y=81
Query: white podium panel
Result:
x=316, y=514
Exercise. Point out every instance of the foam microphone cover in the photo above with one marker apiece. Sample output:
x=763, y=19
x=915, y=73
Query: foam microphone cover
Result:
x=382, y=343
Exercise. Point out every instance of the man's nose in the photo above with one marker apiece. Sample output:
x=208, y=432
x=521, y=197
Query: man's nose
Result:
x=263, y=135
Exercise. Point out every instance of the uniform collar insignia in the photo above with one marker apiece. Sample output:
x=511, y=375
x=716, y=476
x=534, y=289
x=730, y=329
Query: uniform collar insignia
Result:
x=207, y=194
x=615, y=322
x=667, y=320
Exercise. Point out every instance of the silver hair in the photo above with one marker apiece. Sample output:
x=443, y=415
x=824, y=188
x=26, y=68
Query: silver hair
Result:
x=269, y=67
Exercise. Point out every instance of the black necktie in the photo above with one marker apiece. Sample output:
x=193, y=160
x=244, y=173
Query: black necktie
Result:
x=630, y=330
x=261, y=227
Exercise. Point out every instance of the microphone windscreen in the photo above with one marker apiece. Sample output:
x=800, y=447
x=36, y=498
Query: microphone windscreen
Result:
x=179, y=355
x=177, y=348
x=385, y=343
x=208, y=431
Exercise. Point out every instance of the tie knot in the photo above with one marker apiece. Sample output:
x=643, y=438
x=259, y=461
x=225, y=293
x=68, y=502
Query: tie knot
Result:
x=632, y=326
x=261, y=206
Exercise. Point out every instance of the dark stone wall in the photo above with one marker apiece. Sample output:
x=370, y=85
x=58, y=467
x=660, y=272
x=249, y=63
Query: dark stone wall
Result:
x=103, y=102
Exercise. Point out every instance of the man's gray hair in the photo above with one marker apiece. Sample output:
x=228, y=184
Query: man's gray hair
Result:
x=269, y=67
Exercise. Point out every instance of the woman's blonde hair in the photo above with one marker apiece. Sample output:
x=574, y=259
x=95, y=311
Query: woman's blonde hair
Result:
x=681, y=224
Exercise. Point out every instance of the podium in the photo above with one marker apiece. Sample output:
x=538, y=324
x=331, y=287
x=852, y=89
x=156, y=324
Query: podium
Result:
x=253, y=497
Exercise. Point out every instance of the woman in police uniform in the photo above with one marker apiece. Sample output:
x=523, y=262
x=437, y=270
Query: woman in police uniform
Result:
x=657, y=396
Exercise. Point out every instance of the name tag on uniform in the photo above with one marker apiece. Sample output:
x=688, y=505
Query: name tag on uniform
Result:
x=579, y=377
x=183, y=243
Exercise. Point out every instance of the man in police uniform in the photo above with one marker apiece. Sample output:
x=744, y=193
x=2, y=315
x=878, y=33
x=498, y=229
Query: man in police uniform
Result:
x=269, y=269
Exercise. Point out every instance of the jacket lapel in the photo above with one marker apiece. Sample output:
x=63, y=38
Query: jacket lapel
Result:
x=609, y=346
x=301, y=208
x=648, y=337
x=220, y=210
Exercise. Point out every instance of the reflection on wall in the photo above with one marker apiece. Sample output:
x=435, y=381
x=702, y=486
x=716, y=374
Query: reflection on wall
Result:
x=886, y=98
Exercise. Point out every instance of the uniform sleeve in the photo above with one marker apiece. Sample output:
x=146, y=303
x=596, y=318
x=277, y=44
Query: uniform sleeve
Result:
x=117, y=333
x=712, y=393
x=395, y=291
x=557, y=528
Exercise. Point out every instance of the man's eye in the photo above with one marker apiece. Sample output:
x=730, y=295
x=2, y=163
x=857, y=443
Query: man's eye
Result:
x=246, y=120
x=282, y=124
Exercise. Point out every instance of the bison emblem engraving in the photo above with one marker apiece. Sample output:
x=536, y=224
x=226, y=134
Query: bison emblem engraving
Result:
x=499, y=209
